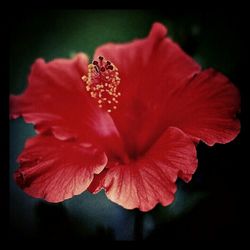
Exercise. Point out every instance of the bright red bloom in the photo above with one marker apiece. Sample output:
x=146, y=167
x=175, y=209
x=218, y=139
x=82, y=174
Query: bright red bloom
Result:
x=134, y=144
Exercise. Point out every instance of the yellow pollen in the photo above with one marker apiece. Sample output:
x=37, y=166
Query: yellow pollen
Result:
x=102, y=82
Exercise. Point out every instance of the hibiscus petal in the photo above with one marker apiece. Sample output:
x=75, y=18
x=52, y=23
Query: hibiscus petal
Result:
x=148, y=68
x=151, y=179
x=161, y=86
x=56, y=170
x=56, y=100
x=206, y=108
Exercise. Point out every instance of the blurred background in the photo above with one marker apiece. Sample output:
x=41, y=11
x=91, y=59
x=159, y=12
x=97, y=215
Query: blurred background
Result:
x=213, y=205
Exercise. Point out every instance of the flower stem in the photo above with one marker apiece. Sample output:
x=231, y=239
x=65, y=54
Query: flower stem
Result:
x=138, y=226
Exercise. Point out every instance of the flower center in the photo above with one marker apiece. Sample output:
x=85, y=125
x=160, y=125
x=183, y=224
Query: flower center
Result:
x=102, y=82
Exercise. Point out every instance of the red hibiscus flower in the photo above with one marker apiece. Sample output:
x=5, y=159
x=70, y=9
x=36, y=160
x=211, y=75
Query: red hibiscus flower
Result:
x=128, y=122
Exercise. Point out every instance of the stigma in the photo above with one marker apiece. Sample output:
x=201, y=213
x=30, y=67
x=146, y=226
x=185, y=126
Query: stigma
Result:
x=102, y=83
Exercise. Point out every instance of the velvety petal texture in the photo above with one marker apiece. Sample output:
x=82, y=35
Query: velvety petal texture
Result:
x=151, y=179
x=206, y=108
x=56, y=170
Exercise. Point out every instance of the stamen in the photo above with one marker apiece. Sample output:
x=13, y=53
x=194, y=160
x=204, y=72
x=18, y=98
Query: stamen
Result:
x=102, y=83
